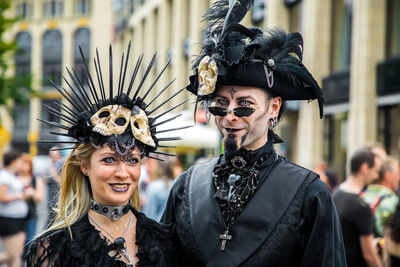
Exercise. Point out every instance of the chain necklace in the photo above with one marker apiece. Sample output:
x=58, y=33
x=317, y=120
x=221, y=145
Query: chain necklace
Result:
x=119, y=242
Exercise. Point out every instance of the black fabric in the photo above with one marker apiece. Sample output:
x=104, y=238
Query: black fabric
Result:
x=31, y=203
x=11, y=226
x=89, y=248
x=394, y=261
x=294, y=241
x=237, y=179
x=356, y=220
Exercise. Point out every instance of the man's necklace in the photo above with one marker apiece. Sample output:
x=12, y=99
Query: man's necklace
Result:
x=119, y=242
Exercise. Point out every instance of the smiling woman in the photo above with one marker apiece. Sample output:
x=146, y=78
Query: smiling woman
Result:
x=98, y=222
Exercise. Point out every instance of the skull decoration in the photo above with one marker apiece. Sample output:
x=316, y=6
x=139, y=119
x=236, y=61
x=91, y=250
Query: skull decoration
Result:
x=140, y=127
x=111, y=119
x=207, y=74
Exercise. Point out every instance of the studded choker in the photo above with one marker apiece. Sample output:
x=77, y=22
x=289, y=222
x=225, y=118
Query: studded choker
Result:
x=112, y=212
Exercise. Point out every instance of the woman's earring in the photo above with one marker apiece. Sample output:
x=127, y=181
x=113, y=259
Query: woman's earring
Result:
x=272, y=122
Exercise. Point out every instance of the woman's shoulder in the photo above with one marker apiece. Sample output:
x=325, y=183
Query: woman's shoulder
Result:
x=69, y=247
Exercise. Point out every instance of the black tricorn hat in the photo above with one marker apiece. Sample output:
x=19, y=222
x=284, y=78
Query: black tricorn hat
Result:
x=236, y=55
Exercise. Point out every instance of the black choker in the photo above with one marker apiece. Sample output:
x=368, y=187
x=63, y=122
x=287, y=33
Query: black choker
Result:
x=112, y=212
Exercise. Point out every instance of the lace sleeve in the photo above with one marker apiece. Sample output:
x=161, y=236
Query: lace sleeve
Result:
x=40, y=254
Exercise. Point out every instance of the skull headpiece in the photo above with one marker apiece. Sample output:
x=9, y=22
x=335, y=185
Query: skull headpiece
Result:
x=119, y=121
x=111, y=119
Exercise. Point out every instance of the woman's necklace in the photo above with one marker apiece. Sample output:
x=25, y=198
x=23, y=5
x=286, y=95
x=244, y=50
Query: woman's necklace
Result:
x=119, y=242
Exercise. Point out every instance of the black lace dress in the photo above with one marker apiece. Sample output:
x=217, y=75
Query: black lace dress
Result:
x=90, y=248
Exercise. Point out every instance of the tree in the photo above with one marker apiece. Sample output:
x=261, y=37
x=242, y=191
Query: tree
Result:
x=15, y=87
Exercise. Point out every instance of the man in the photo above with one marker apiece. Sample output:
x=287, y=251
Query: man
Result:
x=249, y=206
x=380, y=196
x=355, y=215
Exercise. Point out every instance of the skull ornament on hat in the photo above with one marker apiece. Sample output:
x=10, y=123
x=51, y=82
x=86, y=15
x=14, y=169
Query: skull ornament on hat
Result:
x=120, y=121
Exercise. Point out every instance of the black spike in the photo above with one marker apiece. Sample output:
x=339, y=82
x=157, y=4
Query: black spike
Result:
x=67, y=110
x=163, y=153
x=83, y=88
x=91, y=85
x=162, y=91
x=82, y=107
x=167, y=146
x=126, y=66
x=103, y=96
x=161, y=139
x=61, y=134
x=174, y=129
x=52, y=142
x=79, y=86
x=59, y=114
x=81, y=99
x=66, y=97
x=111, y=72
x=120, y=74
x=168, y=99
x=154, y=158
x=155, y=81
x=61, y=118
x=61, y=148
x=55, y=124
x=101, y=75
x=145, y=75
x=170, y=119
x=139, y=61
x=165, y=112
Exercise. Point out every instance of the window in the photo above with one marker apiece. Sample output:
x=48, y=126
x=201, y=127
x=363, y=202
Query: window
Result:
x=24, y=9
x=23, y=54
x=82, y=39
x=82, y=7
x=393, y=28
x=52, y=48
x=341, y=35
x=53, y=8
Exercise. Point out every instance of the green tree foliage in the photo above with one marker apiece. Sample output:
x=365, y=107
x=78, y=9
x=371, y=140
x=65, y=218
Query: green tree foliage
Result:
x=15, y=87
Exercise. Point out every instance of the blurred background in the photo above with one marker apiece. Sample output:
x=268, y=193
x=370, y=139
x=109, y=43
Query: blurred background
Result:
x=352, y=47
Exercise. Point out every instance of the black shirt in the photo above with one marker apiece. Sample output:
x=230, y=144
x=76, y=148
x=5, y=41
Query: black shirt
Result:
x=356, y=220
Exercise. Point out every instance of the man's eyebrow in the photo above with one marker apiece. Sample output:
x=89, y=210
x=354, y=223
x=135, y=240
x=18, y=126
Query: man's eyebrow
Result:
x=246, y=97
x=218, y=95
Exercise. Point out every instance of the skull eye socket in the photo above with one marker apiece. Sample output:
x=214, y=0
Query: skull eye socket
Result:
x=120, y=121
x=104, y=114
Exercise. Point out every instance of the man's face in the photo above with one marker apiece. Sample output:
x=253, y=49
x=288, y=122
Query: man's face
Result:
x=251, y=131
x=394, y=176
x=373, y=172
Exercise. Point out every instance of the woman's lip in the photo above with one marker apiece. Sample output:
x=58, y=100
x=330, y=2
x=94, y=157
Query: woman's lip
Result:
x=118, y=187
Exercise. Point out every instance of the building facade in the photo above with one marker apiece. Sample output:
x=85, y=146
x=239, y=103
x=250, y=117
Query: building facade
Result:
x=352, y=47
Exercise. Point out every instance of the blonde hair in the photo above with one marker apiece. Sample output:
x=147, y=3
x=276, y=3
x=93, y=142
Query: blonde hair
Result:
x=75, y=189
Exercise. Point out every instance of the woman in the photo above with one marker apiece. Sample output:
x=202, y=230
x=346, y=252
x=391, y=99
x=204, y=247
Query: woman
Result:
x=98, y=222
x=13, y=209
x=29, y=180
x=391, y=254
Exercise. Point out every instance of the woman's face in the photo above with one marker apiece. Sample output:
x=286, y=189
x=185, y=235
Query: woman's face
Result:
x=113, y=179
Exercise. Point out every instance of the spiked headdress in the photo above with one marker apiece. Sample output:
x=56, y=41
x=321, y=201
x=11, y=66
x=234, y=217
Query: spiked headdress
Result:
x=235, y=55
x=120, y=120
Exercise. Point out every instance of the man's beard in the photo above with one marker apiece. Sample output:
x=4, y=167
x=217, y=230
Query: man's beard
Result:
x=231, y=145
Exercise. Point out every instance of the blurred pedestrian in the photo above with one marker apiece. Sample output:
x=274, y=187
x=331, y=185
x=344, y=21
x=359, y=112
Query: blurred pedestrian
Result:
x=157, y=190
x=391, y=255
x=13, y=208
x=29, y=180
x=53, y=182
x=354, y=213
x=377, y=149
x=381, y=197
